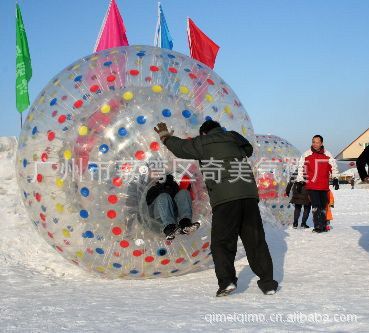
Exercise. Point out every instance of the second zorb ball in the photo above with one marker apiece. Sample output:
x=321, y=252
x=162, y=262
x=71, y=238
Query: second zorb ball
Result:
x=277, y=160
x=88, y=154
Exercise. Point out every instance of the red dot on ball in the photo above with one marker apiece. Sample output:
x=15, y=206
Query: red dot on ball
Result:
x=165, y=262
x=117, y=181
x=113, y=199
x=50, y=136
x=116, y=231
x=149, y=259
x=137, y=253
x=78, y=104
x=172, y=70
x=155, y=146
x=134, y=72
x=94, y=88
x=111, y=214
x=110, y=78
x=124, y=243
x=154, y=68
x=62, y=118
x=140, y=155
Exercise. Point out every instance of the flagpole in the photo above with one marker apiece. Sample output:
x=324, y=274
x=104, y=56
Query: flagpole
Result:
x=21, y=120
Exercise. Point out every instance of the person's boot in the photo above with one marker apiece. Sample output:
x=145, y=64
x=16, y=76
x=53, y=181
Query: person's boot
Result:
x=295, y=225
x=304, y=225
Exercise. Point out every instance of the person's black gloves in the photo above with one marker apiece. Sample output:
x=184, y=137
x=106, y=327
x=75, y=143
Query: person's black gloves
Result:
x=336, y=184
x=288, y=193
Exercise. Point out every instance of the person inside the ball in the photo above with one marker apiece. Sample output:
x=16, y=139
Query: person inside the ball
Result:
x=172, y=206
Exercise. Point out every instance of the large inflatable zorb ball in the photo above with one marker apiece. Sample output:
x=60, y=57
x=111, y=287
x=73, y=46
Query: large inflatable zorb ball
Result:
x=88, y=154
x=277, y=161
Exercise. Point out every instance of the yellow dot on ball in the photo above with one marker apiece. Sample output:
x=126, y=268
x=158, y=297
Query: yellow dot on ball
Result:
x=59, y=182
x=227, y=109
x=157, y=89
x=209, y=98
x=105, y=108
x=59, y=208
x=94, y=58
x=67, y=154
x=79, y=254
x=128, y=95
x=76, y=67
x=100, y=269
x=184, y=90
x=244, y=130
x=66, y=233
x=83, y=130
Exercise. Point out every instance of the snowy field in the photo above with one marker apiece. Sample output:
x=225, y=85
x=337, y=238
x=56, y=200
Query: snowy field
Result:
x=324, y=282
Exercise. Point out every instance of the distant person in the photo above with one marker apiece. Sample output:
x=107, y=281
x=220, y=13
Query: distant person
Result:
x=300, y=198
x=352, y=182
x=361, y=164
x=315, y=168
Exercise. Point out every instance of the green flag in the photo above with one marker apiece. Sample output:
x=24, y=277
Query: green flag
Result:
x=23, y=64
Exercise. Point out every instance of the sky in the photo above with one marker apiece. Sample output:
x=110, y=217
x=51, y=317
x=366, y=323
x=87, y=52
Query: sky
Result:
x=300, y=67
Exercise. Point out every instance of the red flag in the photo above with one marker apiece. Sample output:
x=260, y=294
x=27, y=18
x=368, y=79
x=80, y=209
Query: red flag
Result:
x=113, y=31
x=202, y=48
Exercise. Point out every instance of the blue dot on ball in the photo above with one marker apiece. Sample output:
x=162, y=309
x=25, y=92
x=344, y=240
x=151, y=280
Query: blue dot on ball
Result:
x=187, y=70
x=53, y=101
x=122, y=132
x=116, y=265
x=78, y=78
x=207, y=118
x=186, y=113
x=85, y=191
x=141, y=54
x=166, y=113
x=83, y=213
x=108, y=63
x=92, y=167
x=99, y=250
x=25, y=163
x=171, y=56
x=174, y=271
x=156, y=273
x=88, y=234
x=161, y=252
x=133, y=271
x=104, y=148
x=141, y=120
x=34, y=130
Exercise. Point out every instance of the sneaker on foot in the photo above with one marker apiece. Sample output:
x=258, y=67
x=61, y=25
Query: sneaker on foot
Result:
x=270, y=292
x=187, y=226
x=226, y=291
x=170, y=231
x=304, y=225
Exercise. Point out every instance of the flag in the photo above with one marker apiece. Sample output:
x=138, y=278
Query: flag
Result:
x=23, y=64
x=163, y=38
x=113, y=31
x=202, y=48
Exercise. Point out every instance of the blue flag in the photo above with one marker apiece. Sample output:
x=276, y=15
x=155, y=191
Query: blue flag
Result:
x=163, y=38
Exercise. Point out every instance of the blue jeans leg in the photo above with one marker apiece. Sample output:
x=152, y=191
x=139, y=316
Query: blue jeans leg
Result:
x=184, y=204
x=163, y=209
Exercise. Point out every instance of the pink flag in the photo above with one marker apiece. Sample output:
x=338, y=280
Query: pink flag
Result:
x=113, y=31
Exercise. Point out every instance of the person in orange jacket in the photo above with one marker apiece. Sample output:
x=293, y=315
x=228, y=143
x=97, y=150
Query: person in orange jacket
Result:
x=329, y=215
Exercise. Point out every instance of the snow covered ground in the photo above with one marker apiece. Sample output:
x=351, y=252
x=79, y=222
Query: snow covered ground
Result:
x=324, y=282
